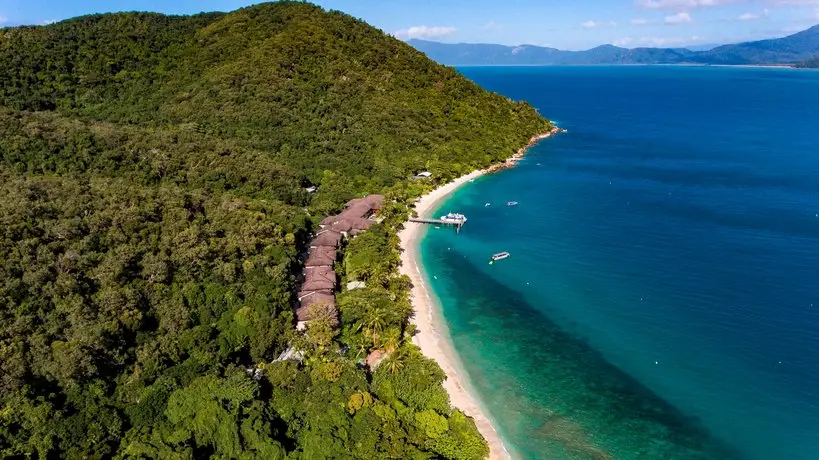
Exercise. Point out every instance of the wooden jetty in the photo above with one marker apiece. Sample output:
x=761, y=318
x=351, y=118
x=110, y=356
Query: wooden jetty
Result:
x=456, y=224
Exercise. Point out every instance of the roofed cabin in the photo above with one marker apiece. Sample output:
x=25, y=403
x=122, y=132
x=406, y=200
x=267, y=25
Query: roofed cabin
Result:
x=329, y=238
x=355, y=217
x=318, y=284
x=321, y=256
x=317, y=305
x=326, y=272
x=303, y=294
x=374, y=202
x=352, y=225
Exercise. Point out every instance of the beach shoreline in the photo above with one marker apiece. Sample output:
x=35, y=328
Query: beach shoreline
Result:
x=432, y=335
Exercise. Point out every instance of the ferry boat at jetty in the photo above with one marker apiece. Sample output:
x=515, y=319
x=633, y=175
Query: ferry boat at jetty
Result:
x=454, y=218
x=511, y=203
x=499, y=256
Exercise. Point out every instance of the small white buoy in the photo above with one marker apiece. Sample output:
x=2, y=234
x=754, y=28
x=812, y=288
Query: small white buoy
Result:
x=656, y=362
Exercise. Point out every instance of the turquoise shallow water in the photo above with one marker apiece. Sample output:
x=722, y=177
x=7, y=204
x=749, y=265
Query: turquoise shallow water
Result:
x=659, y=300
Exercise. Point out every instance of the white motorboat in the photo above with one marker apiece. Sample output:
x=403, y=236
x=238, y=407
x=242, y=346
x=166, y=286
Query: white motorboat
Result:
x=453, y=218
x=499, y=256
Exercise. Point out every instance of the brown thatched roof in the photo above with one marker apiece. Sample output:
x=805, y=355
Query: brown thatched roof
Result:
x=329, y=238
x=320, y=256
x=318, y=279
x=372, y=201
x=342, y=225
x=358, y=210
x=320, y=272
x=303, y=294
x=316, y=306
x=330, y=220
x=349, y=224
x=317, y=285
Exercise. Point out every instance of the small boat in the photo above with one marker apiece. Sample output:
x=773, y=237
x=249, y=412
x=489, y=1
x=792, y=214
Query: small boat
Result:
x=487, y=205
x=453, y=218
x=499, y=256
x=511, y=203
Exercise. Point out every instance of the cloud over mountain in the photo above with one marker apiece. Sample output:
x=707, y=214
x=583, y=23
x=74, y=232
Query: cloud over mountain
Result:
x=424, y=32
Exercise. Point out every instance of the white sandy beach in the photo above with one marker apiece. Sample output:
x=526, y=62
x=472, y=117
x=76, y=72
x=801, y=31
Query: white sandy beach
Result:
x=433, y=334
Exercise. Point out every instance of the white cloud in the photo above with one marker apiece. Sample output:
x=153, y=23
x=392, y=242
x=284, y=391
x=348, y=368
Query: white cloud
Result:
x=424, y=32
x=817, y=13
x=491, y=25
x=46, y=22
x=592, y=24
x=681, y=4
x=639, y=21
x=679, y=18
x=3, y=20
x=753, y=16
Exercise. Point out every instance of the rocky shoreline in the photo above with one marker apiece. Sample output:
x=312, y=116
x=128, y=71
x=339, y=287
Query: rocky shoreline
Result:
x=514, y=159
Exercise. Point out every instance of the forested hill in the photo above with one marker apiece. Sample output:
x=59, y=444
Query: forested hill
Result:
x=323, y=91
x=153, y=173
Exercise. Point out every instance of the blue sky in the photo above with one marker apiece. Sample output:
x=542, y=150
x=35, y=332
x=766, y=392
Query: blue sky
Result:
x=565, y=24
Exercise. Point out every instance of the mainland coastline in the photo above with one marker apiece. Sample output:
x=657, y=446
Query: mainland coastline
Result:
x=432, y=335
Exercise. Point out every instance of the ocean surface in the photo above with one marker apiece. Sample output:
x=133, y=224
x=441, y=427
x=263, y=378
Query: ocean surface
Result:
x=661, y=300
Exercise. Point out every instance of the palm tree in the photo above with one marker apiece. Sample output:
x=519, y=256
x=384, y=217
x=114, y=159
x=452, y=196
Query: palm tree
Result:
x=395, y=363
x=362, y=348
x=374, y=322
x=392, y=340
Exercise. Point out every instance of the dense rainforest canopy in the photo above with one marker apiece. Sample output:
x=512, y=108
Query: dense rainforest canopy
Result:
x=153, y=173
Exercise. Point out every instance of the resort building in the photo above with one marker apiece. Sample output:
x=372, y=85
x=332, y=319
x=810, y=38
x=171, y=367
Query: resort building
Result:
x=316, y=298
x=314, y=305
x=321, y=256
x=351, y=226
x=319, y=279
x=326, y=238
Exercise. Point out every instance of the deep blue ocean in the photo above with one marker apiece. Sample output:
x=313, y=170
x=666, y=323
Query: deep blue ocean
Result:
x=661, y=300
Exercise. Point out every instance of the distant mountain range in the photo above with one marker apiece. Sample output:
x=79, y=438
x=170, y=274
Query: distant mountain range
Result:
x=793, y=49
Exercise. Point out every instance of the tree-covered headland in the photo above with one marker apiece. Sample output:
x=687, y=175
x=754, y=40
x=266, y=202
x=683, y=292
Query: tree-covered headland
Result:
x=153, y=214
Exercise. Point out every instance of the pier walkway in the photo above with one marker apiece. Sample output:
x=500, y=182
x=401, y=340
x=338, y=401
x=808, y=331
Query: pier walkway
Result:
x=457, y=224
